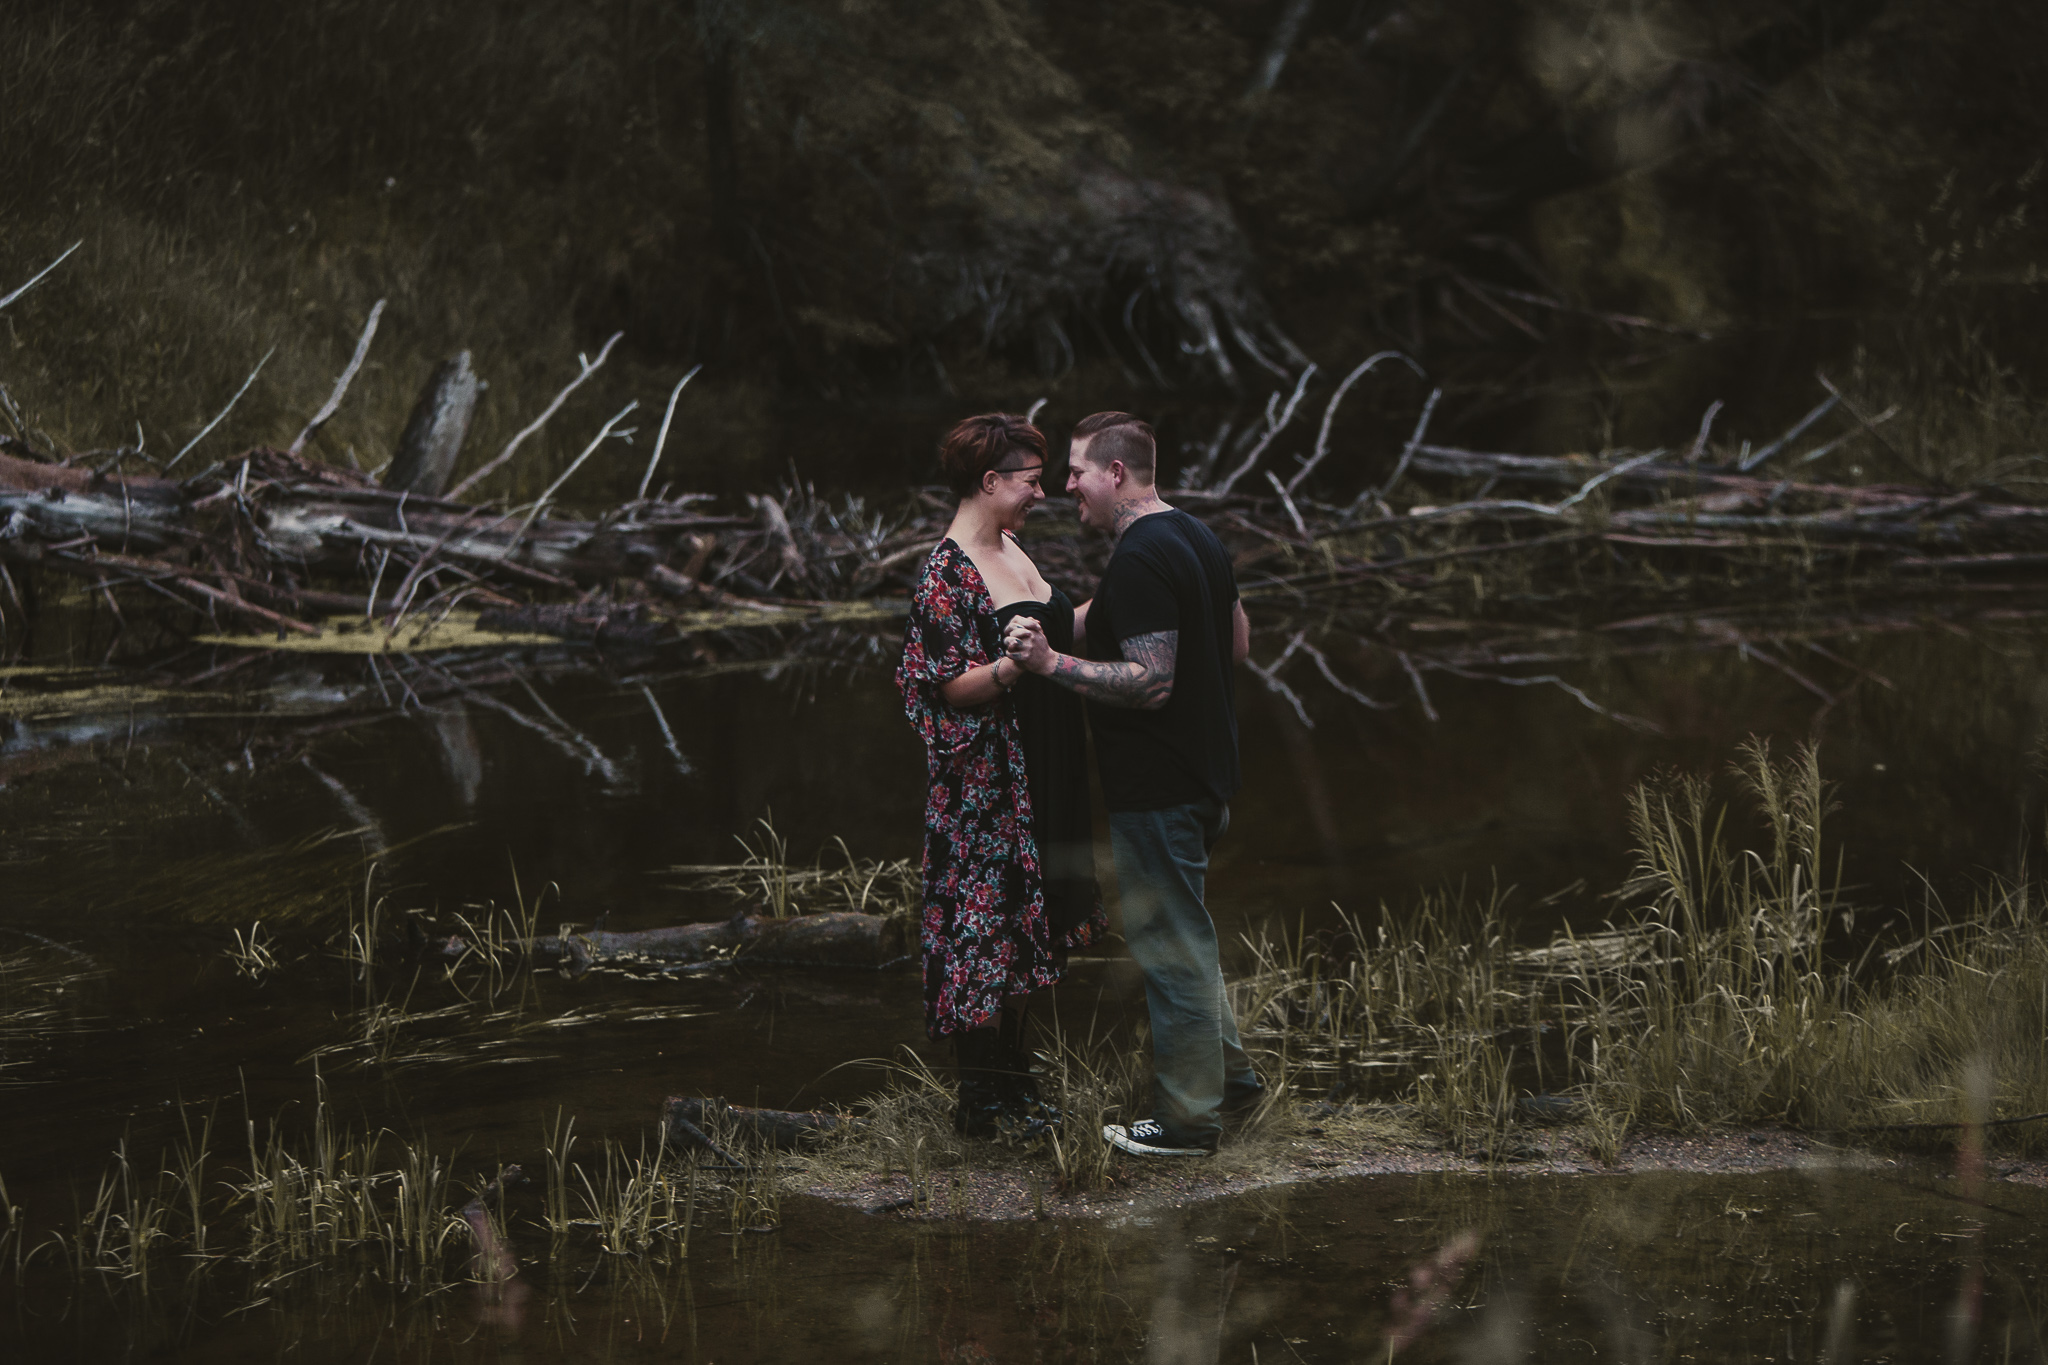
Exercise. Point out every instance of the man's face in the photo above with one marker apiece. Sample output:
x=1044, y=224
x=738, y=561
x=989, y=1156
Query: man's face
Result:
x=1093, y=489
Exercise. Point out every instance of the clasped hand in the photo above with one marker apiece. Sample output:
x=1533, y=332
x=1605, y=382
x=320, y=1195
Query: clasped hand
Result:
x=1024, y=640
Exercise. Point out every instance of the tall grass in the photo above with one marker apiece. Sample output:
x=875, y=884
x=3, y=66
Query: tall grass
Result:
x=392, y=1210
x=1716, y=998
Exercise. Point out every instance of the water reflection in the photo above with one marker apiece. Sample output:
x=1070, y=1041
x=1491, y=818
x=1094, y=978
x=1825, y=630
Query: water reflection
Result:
x=1813, y=1266
x=145, y=824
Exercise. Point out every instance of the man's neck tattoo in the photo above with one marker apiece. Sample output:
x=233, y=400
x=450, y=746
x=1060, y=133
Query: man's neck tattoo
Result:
x=1125, y=514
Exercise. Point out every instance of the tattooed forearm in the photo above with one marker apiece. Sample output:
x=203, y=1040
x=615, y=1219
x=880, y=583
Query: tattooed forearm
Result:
x=1143, y=680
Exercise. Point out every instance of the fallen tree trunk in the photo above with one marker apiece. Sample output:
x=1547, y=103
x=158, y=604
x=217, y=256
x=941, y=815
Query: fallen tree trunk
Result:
x=693, y=1122
x=833, y=939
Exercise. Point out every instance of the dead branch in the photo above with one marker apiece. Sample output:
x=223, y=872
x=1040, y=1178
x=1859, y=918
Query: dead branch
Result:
x=589, y=367
x=662, y=439
x=333, y=403
x=222, y=416
x=40, y=275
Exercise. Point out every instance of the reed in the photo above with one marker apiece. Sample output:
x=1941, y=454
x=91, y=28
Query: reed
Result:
x=254, y=953
x=1717, y=998
x=768, y=878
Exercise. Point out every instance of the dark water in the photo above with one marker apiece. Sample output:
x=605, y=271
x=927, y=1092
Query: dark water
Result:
x=1811, y=1266
x=144, y=825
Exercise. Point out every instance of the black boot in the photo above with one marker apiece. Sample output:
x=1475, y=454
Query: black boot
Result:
x=1021, y=1078
x=983, y=1105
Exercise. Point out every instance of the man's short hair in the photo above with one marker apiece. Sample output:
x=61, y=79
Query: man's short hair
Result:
x=1120, y=436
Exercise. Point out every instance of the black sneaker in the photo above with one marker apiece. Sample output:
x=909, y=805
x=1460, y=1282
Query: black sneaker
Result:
x=1147, y=1138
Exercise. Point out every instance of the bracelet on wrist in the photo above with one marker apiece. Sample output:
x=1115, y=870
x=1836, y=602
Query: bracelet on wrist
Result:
x=998, y=667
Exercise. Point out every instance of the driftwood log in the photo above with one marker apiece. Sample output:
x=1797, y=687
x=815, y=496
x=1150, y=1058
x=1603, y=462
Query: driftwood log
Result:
x=834, y=939
x=690, y=1121
x=424, y=462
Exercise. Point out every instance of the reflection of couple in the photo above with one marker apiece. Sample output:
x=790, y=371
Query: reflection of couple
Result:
x=996, y=665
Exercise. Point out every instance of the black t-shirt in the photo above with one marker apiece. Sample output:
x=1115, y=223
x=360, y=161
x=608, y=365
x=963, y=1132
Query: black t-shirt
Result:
x=1169, y=572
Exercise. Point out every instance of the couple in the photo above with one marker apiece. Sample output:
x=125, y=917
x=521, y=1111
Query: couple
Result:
x=997, y=664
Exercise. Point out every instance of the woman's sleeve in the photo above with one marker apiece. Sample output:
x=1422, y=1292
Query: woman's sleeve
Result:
x=940, y=642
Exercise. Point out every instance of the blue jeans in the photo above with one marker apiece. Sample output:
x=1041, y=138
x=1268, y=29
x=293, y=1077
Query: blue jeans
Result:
x=1162, y=858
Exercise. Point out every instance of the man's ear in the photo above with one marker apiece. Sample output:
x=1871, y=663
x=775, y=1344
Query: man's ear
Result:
x=1117, y=473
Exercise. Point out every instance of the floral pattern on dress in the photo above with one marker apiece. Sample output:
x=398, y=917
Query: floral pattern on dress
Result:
x=985, y=930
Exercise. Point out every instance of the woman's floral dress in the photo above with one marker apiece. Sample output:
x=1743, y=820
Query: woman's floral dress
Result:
x=986, y=934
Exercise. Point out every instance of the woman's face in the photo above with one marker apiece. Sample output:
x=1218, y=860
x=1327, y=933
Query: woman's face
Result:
x=1015, y=491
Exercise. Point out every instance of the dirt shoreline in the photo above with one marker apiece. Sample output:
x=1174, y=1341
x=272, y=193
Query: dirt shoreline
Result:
x=1005, y=1186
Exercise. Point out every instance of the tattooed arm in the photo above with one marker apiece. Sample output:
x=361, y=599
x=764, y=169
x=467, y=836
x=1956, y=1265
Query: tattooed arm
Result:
x=1142, y=680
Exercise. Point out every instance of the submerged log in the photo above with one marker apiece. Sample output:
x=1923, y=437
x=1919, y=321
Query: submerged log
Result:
x=690, y=1121
x=834, y=939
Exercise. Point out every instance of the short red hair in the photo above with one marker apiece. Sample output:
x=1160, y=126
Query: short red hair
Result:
x=978, y=444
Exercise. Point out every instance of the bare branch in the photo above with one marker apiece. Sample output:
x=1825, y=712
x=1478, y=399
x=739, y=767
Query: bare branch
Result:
x=1604, y=475
x=223, y=412
x=662, y=439
x=333, y=403
x=1699, y=444
x=590, y=367
x=43, y=272
x=1798, y=429
x=603, y=434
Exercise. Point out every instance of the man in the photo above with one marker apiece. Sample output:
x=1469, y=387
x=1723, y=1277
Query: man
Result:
x=1163, y=634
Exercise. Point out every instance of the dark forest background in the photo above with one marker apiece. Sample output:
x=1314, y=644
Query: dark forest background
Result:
x=865, y=219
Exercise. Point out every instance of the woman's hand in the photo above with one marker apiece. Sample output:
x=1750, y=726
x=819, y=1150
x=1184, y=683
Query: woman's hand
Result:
x=1025, y=642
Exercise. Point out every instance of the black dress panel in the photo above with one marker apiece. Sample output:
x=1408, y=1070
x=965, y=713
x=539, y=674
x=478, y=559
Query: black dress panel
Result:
x=1052, y=723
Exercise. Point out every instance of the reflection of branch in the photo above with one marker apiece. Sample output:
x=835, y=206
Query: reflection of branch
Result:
x=1330, y=413
x=1276, y=422
x=1329, y=675
x=1408, y=451
x=668, y=736
x=1270, y=676
x=1416, y=677
x=1552, y=680
x=1749, y=651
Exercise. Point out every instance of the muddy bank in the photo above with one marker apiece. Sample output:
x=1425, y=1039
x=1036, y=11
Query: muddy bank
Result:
x=1001, y=1186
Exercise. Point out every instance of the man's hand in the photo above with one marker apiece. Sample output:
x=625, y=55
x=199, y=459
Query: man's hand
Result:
x=1025, y=642
x=1141, y=681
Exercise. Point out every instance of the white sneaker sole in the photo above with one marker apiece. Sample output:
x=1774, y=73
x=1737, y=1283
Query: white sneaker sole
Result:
x=1119, y=1137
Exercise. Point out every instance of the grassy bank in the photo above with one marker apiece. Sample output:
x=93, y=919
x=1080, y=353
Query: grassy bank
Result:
x=1734, y=987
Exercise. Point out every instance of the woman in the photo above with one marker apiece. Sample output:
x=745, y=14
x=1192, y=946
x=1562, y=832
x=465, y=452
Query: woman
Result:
x=1009, y=880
